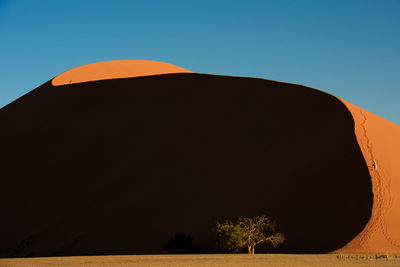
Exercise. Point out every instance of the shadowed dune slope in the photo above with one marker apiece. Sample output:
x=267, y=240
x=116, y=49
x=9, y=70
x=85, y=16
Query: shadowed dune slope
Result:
x=120, y=166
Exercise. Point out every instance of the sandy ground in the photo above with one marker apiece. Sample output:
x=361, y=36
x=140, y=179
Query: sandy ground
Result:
x=211, y=260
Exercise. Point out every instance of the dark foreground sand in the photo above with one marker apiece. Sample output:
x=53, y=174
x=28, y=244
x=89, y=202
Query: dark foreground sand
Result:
x=212, y=260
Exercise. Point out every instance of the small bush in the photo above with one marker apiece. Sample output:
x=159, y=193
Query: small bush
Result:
x=180, y=243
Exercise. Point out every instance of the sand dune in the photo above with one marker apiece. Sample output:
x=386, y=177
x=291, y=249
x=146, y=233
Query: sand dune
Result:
x=116, y=166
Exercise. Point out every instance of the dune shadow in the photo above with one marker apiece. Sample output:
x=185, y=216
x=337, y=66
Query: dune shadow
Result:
x=131, y=162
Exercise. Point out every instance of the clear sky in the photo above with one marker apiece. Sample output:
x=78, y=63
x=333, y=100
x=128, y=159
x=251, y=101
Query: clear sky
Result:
x=349, y=48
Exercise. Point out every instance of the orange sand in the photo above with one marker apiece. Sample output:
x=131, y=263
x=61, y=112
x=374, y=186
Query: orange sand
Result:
x=114, y=70
x=379, y=140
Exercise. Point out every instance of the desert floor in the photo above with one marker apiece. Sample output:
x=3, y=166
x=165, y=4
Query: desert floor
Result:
x=212, y=260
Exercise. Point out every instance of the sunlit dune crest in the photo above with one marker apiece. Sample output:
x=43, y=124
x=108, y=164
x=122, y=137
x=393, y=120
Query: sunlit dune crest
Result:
x=115, y=69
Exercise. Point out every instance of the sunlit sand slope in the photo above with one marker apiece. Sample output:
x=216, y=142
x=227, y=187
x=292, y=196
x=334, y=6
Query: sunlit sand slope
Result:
x=115, y=69
x=379, y=140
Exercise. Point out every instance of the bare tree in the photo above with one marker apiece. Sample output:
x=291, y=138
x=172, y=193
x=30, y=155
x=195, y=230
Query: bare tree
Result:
x=258, y=230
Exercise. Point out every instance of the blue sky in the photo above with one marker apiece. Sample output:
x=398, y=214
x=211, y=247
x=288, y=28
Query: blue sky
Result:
x=349, y=48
